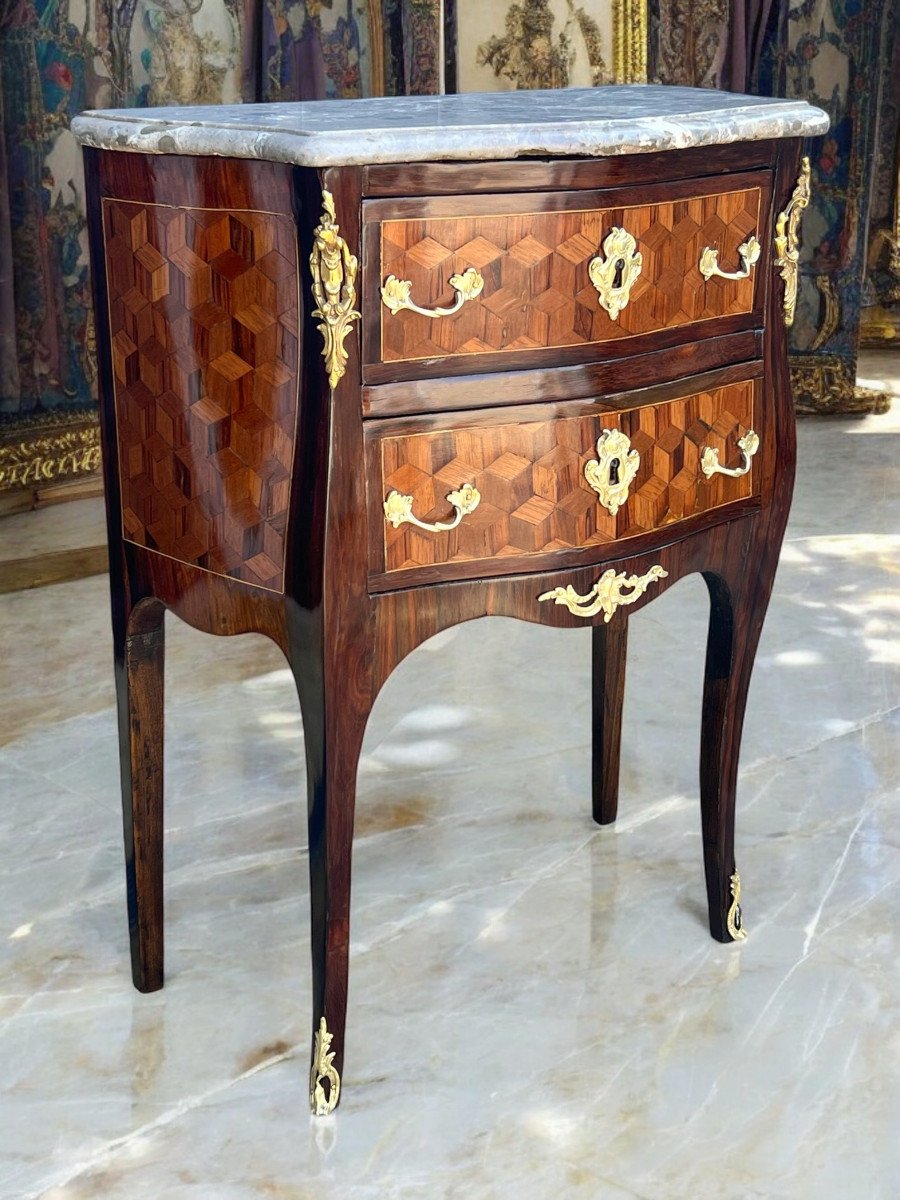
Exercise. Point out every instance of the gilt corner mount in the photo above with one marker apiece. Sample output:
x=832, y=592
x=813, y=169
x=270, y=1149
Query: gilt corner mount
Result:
x=787, y=241
x=334, y=271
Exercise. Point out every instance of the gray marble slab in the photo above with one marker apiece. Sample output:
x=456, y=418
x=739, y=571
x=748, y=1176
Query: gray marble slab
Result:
x=591, y=122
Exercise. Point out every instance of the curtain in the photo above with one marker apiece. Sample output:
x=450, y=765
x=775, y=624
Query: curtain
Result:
x=843, y=58
x=9, y=369
x=58, y=57
x=746, y=42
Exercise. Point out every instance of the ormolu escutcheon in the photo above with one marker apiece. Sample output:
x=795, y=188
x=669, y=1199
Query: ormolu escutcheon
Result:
x=612, y=472
x=613, y=273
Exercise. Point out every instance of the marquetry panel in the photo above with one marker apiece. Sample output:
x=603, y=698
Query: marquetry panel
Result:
x=534, y=496
x=537, y=292
x=203, y=311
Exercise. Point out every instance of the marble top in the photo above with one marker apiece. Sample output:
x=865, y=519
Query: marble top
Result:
x=589, y=122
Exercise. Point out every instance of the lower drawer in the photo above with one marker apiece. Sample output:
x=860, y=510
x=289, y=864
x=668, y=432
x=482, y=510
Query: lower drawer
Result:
x=459, y=490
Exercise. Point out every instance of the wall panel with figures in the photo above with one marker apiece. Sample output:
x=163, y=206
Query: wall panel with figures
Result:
x=58, y=57
x=505, y=45
x=843, y=58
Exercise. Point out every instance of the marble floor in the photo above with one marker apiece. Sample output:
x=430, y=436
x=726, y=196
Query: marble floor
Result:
x=51, y=529
x=536, y=1007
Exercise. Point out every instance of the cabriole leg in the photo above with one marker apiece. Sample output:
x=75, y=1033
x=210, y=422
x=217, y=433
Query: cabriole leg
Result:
x=140, y=652
x=334, y=719
x=737, y=609
x=610, y=645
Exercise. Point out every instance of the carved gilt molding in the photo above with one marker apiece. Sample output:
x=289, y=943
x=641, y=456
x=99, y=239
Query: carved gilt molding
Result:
x=787, y=241
x=630, y=41
x=322, y=1071
x=334, y=271
x=42, y=450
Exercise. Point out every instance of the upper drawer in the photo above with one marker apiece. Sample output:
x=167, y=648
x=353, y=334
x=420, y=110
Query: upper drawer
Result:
x=567, y=276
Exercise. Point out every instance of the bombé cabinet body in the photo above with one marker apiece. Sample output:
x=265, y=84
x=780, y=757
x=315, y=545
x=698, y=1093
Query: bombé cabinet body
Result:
x=370, y=370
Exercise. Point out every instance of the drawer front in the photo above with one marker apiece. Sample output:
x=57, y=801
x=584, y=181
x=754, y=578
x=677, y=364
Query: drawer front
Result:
x=545, y=486
x=540, y=273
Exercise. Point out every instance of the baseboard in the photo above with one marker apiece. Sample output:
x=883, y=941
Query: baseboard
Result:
x=56, y=566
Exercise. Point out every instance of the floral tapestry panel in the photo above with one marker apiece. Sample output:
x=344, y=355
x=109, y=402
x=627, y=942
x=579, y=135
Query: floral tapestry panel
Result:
x=833, y=56
x=48, y=72
x=9, y=367
x=832, y=48
x=408, y=35
x=315, y=49
x=422, y=47
x=689, y=42
x=883, y=273
x=60, y=57
x=502, y=46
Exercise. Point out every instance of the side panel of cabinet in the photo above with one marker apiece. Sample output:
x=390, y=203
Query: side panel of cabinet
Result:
x=203, y=313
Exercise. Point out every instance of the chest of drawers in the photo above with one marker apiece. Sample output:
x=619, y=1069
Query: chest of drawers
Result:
x=371, y=369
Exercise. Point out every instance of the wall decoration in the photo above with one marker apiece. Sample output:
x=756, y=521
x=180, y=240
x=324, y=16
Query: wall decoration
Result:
x=841, y=55
x=58, y=57
x=688, y=40
x=502, y=45
x=834, y=59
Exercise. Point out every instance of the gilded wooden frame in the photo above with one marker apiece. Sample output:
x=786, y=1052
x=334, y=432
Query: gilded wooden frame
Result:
x=47, y=449
x=630, y=41
x=65, y=445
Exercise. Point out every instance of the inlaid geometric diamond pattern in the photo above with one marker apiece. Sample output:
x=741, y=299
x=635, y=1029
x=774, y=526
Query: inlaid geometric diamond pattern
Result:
x=537, y=293
x=204, y=328
x=534, y=496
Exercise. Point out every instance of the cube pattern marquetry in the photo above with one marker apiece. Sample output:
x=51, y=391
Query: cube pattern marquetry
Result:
x=537, y=292
x=534, y=495
x=203, y=309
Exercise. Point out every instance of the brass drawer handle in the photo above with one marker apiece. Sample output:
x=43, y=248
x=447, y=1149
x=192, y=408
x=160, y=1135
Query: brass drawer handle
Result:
x=748, y=446
x=748, y=253
x=398, y=509
x=613, y=274
x=607, y=593
x=395, y=294
x=612, y=472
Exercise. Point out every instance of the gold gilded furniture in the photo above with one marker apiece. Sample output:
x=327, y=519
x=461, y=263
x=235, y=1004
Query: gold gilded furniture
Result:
x=371, y=369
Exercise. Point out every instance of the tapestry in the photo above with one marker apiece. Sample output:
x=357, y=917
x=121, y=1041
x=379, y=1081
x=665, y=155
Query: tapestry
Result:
x=501, y=46
x=688, y=42
x=313, y=50
x=420, y=48
x=58, y=57
x=841, y=56
x=881, y=296
x=833, y=58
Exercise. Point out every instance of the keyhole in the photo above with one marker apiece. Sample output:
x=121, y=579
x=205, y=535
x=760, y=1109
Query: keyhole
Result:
x=620, y=271
x=614, y=472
